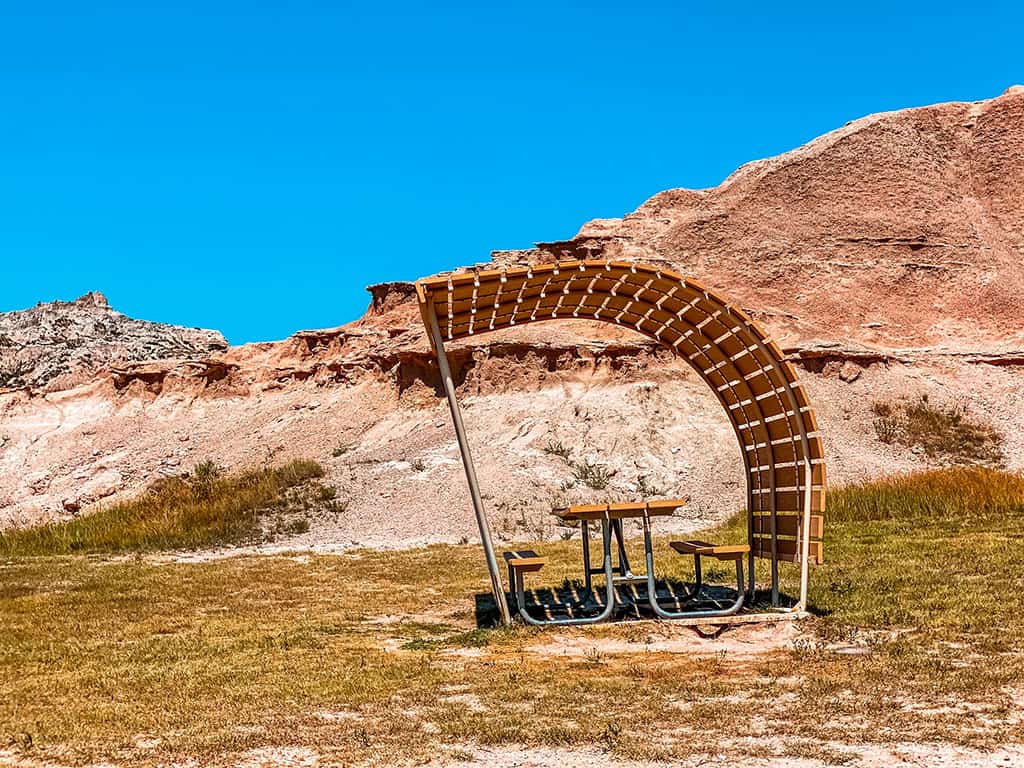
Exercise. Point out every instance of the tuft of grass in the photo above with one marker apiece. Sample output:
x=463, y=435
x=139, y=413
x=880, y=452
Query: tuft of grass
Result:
x=944, y=432
x=556, y=448
x=205, y=508
x=593, y=475
x=206, y=471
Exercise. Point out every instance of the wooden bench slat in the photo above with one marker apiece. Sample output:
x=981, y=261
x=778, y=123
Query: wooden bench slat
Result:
x=704, y=548
x=788, y=550
x=788, y=525
x=525, y=560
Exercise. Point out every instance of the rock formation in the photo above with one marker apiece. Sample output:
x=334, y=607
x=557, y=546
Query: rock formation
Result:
x=63, y=342
x=886, y=257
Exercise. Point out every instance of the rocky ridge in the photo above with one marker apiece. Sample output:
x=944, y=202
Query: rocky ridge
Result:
x=62, y=342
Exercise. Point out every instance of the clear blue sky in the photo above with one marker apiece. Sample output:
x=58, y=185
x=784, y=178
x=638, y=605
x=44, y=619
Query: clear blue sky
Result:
x=251, y=167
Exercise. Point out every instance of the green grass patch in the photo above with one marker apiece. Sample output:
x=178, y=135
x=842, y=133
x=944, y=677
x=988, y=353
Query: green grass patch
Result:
x=204, y=509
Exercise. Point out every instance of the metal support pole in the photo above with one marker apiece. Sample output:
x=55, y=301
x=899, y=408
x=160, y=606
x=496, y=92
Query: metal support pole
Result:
x=467, y=463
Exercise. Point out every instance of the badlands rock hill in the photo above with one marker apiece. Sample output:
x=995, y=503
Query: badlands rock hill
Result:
x=886, y=257
x=59, y=342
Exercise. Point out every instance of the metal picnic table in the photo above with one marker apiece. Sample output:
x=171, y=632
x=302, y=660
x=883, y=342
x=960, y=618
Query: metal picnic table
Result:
x=611, y=517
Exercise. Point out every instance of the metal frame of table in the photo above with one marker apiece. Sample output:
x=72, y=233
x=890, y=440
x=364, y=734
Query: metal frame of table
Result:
x=611, y=517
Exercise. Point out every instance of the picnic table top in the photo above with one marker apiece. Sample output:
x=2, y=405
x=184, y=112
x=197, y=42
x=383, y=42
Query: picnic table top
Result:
x=620, y=509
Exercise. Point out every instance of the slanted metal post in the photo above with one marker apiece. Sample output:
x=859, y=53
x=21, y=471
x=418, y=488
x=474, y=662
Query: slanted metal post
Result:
x=467, y=462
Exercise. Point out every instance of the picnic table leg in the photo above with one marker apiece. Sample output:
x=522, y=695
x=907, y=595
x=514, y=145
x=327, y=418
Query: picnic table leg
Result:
x=588, y=580
x=624, y=569
x=652, y=596
x=609, y=605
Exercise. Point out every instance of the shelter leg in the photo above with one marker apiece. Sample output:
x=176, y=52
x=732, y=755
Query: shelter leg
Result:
x=587, y=576
x=624, y=569
x=467, y=462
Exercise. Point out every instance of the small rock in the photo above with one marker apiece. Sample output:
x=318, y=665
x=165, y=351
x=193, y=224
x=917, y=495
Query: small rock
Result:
x=71, y=505
x=105, y=484
x=38, y=481
x=849, y=372
x=184, y=438
x=831, y=368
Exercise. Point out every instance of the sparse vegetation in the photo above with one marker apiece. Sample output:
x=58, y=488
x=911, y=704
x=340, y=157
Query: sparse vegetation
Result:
x=418, y=465
x=922, y=578
x=204, y=508
x=340, y=450
x=556, y=448
x=592, y=474
x=943, y=432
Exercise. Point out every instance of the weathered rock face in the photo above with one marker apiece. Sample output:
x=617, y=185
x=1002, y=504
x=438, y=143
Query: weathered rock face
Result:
x=64, y=342
x=902, y=229
x=886, y=257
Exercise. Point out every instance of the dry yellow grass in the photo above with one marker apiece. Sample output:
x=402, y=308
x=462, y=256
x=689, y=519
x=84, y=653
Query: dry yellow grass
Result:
x=202, y=509
x=376, y=656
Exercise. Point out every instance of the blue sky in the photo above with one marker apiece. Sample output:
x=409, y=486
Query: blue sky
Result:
x=251, y=167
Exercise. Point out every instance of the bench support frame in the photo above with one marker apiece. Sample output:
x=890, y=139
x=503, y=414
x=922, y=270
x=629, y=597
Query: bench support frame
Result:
x=516, y=578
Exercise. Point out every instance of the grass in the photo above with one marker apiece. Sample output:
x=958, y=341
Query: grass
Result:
x=591, y=474
x=368, y=657
x=203, y=509
x=944, y=432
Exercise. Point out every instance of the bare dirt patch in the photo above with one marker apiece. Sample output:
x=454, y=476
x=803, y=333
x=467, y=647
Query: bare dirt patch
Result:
x=740, y=642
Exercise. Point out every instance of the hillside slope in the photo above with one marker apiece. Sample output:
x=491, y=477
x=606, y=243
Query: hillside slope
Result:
x=901, y=229
x=886, y=257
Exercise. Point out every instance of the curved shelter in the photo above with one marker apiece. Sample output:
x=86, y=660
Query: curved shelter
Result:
x=759, y=391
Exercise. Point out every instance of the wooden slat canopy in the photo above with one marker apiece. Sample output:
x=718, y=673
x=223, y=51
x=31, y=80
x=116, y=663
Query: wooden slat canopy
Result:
x=757, y=387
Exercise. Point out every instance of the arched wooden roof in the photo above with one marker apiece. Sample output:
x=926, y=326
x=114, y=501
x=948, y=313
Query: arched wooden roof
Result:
x=745, y=369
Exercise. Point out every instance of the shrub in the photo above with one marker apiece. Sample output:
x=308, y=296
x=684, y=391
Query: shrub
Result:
x=596, y=476
x=943, y=432
x=558, y=449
